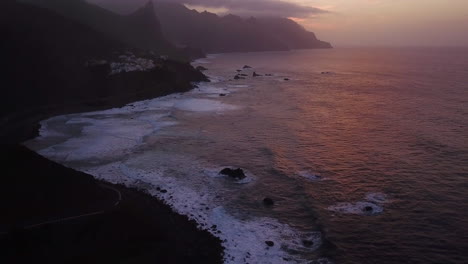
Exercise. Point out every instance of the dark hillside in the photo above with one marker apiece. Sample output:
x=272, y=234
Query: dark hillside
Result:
x=214, y=34
x=139, y=30
x=54, y=65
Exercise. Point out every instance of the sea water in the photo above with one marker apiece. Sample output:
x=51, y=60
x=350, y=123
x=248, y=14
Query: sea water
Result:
x=363, y=151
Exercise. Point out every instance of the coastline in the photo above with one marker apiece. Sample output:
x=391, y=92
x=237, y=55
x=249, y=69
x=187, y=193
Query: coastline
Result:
x=140, y=228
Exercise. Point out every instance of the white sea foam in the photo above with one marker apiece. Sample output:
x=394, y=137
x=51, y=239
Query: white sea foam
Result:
x=309, y=175
x=203, y=105
x=215, y=79
x=238, y=85
x=45, y=131
x=109, y=148
x=212, y=55
x=207, y=89
x=357, y=208
x=372, y=205
x=245, y=239
x=194, y=195
x=379, y=198
x=100, y=139
x=201, y=61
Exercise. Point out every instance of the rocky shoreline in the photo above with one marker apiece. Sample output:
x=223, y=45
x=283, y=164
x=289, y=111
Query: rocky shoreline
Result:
x=57, y=62
x=139, y=229
x=54, y=214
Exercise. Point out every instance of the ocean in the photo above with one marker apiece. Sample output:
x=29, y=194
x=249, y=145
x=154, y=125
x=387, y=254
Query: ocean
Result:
x=364, y=152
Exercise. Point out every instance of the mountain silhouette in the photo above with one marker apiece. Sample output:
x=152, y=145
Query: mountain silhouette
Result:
x=214, y=34
x=141, y=29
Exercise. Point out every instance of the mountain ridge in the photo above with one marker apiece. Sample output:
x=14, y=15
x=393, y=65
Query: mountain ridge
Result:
x=139, y=29
x=232, y=33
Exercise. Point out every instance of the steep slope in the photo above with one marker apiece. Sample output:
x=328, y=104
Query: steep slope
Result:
x=211, y=33
x=43, y=52
x=53, y=65
x=231, y=33
x=289, y=32
x=140, y=29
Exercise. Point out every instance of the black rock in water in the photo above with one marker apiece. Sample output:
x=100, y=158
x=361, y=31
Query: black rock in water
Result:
x=222, y=94
x=308, y=243
x=247, y=67
x=237, y=174
x=268, y=201
x=256, y=74
x=368, y=209
x=270, y=243
x=286, y=79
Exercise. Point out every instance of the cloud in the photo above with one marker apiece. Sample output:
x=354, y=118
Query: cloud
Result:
x=259, y=7
x=239, y=7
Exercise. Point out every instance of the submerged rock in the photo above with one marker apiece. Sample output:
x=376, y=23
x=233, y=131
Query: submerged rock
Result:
x=237, y=174
x=308, y=243
x=268, y=201
x=368, y=209
x=201, y=68
x=270, y=243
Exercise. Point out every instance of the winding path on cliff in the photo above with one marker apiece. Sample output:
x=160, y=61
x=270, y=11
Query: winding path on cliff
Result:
x=65, y=219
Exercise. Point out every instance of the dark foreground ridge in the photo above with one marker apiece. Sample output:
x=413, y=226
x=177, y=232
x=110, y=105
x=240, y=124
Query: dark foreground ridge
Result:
x=140, y=229
x=52, y=214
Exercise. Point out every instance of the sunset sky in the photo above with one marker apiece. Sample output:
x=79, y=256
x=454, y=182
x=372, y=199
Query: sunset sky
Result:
x=390, y=22
x=353, y=22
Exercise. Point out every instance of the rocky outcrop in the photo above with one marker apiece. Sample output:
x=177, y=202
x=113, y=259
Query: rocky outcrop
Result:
x=237, y=174
x=268, y=201
x=201, y=68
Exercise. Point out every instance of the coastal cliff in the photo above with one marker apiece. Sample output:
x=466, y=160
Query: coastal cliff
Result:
x=55, y=65
x=217, y=34
x=52, y=214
